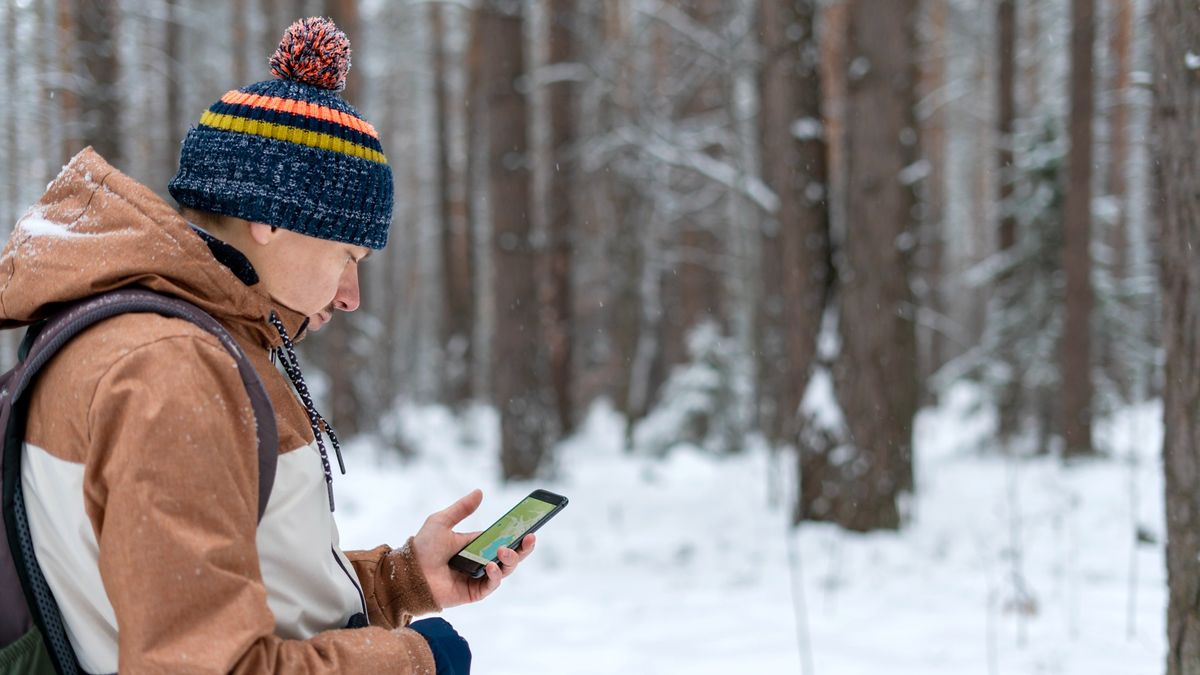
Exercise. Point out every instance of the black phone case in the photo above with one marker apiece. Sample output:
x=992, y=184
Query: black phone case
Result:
x=474, y=569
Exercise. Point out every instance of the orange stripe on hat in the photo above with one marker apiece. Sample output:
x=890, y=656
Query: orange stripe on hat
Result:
x=295, y=107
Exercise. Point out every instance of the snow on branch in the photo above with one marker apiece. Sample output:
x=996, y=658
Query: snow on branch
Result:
x=707, y=41
x=555, y=73
x=704, y=164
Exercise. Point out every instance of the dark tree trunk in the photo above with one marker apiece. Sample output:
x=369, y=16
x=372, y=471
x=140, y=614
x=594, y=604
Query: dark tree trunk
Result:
x=345, y=14
x=876, y=375
x=517, y=360
x=1076, y=347
x=1177, y=135
x=457, y=245
x=1006, y=113
x=50, y=124
x=796, y=269
x=1006, y=232
x=560, y=223
x=475, y=180
x=68, y=93
x=241, y=43
x=97, y=59
x=173, y=123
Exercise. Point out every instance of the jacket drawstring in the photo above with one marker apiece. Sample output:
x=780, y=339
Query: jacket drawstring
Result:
x=291, y=365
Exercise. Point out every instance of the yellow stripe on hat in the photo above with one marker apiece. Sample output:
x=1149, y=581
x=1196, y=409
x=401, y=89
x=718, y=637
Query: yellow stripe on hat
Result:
x=282, y=132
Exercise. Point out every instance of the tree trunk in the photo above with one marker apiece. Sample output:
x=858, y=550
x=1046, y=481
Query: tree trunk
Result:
x=1115, y=180
x=1031, y=75
x=455, y=233
x=241, y=42
x=68, y=90
x=596, y=368
x=174, y=123
x=1076, y=349
x=12, y=207
x=277, y=16
x=1006, y=113
x=476, y=179
x=1008, y=409
x=50, y=131
x=517, y=365
x=796, y=268
x=1120, y=45
x=97, y=24
x=344, y=13
x=562, y=17
x=875, y=375
x=932, y=342
x=1177, y=126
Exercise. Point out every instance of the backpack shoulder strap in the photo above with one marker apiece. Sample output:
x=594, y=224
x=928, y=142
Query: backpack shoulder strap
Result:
x=74, y=319
x=41, y=343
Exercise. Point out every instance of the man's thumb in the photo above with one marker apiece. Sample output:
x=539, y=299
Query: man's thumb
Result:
x=465, y=506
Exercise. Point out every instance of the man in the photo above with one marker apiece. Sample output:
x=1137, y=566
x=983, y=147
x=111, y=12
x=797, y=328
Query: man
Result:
x=140, y=472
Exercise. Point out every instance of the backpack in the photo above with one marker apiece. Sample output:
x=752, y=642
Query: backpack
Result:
x=33, y=638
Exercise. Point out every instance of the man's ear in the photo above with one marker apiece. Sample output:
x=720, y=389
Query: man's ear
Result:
x=262, y=233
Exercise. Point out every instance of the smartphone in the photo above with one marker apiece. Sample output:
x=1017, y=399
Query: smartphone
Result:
x=524, y=518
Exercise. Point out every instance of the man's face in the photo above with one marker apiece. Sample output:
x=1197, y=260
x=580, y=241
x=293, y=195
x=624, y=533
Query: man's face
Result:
x=310, y=275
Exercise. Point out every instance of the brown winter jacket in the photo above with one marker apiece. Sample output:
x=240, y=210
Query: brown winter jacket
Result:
x=141, y=470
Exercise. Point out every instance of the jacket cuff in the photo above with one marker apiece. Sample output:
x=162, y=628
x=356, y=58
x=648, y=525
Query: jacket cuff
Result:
x=424, y=662
x=402, y=591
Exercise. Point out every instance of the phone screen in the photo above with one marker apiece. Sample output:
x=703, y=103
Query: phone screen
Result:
x=507, y=530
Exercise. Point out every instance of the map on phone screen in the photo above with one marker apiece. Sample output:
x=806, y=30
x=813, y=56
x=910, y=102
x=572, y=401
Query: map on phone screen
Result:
x=507, y=530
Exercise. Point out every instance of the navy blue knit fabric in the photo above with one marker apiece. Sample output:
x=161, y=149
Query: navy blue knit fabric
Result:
x=451, y=653
x=321, y=193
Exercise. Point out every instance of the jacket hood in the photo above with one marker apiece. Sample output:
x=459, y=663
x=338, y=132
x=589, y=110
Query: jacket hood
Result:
x=97, y=230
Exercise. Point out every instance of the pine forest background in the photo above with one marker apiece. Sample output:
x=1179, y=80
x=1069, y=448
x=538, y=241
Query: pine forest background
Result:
x=795, y=220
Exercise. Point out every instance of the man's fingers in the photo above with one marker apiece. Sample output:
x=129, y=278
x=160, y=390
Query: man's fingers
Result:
x=494, y=575
x=527, y=545
x=465, y=506
x=508, y=559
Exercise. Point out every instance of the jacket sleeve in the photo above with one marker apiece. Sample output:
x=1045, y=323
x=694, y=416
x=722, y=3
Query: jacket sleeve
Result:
x=393, y=584
x=175, y=493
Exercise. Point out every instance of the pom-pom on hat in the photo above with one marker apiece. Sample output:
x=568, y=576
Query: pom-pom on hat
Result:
x=290, y=152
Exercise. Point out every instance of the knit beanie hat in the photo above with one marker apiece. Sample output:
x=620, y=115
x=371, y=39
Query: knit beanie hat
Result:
x=290, y=152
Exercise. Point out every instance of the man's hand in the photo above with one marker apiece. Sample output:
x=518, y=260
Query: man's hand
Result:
x=436, y=542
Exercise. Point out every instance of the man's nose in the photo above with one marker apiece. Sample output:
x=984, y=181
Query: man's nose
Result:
x=347, y=298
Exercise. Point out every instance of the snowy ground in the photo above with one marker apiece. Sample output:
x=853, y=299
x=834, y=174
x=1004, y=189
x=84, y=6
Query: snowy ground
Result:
x=684, y=566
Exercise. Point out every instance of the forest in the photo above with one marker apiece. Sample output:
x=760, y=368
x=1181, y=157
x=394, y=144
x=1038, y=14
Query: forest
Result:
x=783, y=229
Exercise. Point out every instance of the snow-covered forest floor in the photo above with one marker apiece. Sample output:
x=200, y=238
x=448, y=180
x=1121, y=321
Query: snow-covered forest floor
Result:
x=684, y=565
